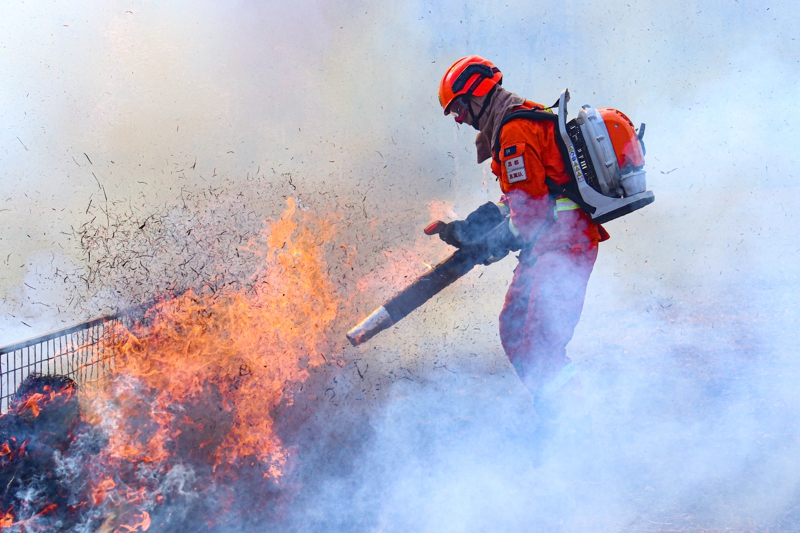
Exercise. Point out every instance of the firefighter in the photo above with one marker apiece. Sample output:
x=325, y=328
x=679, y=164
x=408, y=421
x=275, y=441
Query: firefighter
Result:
x=559, y=240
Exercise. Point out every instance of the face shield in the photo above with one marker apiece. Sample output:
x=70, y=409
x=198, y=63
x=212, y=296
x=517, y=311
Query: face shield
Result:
x=458, y=108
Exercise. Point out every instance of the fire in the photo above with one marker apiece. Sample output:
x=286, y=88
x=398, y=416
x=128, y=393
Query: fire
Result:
x=237, y=348
x=36, y=401
x=7, y=519
x=245, y=344
x=101, y=492
x=143, y=524
x=186, y=408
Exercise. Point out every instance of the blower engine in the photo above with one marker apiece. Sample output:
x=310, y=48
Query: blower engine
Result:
x=606, y=155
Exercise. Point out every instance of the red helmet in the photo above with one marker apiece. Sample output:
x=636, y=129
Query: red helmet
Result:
x=469, y=76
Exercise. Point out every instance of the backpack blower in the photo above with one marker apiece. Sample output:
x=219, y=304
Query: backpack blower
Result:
x=606, y=156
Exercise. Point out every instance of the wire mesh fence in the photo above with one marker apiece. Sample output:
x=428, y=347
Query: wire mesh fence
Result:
x=74, y=352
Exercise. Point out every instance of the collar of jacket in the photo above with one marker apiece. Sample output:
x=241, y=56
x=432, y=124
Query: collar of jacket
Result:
x=503, y=102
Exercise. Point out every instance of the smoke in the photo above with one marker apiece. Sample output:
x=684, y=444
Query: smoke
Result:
x=116, y=111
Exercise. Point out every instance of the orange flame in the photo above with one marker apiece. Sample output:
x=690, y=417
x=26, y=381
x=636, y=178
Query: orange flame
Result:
x=7, y=520
x=36, y=401
x=235, y=349
x=33, y=403
x=142, y=525
x=101, y=491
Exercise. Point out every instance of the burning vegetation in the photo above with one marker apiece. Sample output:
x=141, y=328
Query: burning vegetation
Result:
x=179, y=436
x=36, y=431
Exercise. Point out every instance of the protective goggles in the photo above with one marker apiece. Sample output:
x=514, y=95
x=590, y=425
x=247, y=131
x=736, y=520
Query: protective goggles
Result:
x=458, y=108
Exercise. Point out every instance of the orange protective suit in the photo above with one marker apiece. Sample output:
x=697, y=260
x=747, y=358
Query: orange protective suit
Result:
x=545, y=298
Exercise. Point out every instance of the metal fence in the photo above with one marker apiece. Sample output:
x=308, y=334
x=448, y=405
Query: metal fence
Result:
x=73, y=352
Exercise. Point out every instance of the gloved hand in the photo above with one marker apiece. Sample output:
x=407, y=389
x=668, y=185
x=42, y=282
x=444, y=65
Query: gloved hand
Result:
x=474, y=228
x=501, y=241
x=454, y=233
x=494, y=258
x=483, y=220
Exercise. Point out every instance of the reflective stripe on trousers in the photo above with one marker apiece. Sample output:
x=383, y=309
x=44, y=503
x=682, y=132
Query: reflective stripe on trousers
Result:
x=564, y=204
x=561, y=379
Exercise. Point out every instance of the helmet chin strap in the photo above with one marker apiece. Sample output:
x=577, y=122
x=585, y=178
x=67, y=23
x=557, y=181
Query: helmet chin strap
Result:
x=475, y=119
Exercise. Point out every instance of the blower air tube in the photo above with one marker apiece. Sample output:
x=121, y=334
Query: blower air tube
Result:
x=413, y=296
x=496, y=242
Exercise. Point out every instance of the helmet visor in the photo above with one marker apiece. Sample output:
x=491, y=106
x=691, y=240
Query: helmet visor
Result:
x=458, y=108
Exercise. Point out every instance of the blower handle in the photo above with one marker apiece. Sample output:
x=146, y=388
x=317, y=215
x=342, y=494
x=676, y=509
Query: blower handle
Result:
x=641, y=135
x=435, y=227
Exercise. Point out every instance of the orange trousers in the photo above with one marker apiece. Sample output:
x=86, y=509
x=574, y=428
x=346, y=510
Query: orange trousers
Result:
x=542, y=308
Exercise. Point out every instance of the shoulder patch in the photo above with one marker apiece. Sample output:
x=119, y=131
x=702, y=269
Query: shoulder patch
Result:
x=513, y=159
x=512, y=150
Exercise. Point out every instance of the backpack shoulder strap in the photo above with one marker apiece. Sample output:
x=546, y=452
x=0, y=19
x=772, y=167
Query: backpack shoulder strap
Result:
x=529, y=114
x=568, y=190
